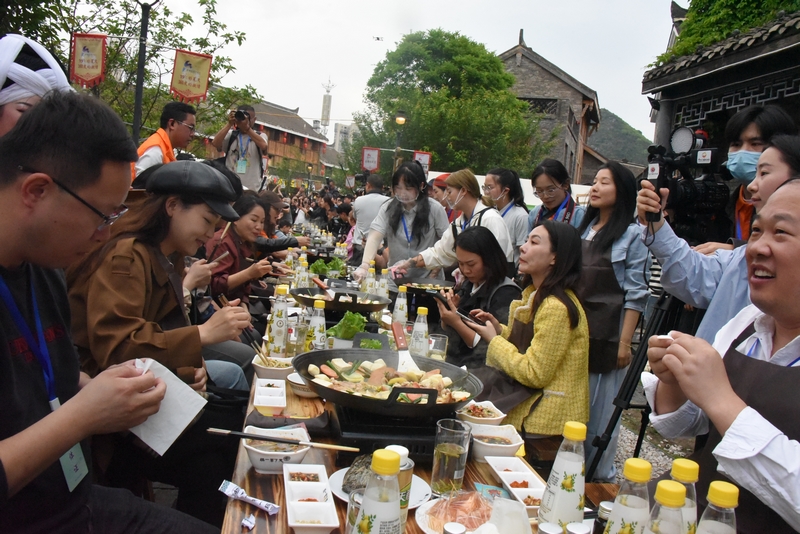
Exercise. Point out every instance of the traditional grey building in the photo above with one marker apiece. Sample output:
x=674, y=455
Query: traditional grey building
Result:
x=569, y=108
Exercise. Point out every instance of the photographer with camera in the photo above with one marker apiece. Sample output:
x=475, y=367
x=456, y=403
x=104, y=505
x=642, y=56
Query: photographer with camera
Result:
x=244, y=147
x=716, y=282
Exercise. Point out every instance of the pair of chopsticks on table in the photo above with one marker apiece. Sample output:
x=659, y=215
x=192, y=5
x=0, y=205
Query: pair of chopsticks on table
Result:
x=223, y=432
x=223, y=300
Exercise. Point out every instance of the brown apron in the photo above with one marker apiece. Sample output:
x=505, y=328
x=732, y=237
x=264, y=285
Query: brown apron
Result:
x=772, y=390
x=602, y=299
x=499, y=388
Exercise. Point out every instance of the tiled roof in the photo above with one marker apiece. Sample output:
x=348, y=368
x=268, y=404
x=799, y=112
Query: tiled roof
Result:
x=781, y=27
x=285, y=120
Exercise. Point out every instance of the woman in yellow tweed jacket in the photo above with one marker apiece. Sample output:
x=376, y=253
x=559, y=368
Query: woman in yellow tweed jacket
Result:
x=546, y=344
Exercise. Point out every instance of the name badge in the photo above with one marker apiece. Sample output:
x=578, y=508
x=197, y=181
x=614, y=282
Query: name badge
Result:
x=74, y=466
x=241, y=166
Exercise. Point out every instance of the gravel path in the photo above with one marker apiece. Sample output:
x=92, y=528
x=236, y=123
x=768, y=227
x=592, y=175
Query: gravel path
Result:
x=661, y=461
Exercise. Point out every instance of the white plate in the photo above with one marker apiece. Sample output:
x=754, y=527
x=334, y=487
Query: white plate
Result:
x=420, y=490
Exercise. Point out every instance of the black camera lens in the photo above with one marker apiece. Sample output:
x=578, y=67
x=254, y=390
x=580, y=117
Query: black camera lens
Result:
x=241, y=115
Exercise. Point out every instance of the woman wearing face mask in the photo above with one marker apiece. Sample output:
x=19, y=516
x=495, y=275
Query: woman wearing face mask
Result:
x=546, y=342
x=439, y=193
x=613, y=292
x=503, y=187
x=463, y=194
x=411, y=221
x=551, y=184
x=487, y=287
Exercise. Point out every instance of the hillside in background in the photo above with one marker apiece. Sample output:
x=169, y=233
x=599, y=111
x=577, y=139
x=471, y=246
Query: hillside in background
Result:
x=616, y=139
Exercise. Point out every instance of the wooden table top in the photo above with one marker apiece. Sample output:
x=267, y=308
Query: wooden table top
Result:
x=270, y=487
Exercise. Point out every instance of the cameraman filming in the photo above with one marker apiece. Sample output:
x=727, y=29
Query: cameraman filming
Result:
x=716, y=282
x=244, y=147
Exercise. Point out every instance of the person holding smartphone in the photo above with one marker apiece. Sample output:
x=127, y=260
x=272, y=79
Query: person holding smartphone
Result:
x=544, y=349
x=483, y=265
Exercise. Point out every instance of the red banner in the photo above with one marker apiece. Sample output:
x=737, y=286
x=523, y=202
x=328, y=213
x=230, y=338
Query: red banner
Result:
x=88, y=59
x=190, y=76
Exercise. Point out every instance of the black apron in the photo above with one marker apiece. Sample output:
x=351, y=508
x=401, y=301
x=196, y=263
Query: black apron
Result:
x=772, y=390
x=602, y=299
x=505, y=392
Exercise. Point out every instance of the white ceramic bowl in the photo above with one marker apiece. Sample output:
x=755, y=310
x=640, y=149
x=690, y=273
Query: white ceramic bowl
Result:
x=304, y=517
x=270, y=403
x=277, y=373
x=272, y=462
x=464, y=414
x=481, y=449
x=299, y=386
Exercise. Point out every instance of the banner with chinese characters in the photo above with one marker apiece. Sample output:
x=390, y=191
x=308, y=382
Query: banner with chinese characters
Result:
x=88, y=59
x=190, y=76
x=370, y=158
x=424, y=159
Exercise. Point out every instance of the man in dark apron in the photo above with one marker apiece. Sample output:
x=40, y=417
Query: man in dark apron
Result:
x=751, y=397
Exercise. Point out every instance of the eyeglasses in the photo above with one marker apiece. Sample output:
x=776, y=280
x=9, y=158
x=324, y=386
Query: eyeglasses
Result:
x=190, y=126
x=488, y=188
x=108, y=220
x=549, y=192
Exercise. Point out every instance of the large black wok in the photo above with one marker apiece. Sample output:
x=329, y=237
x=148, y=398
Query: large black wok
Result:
x=305, y=296
x=390, y=406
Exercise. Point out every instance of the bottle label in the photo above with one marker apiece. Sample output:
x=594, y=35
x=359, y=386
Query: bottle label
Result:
x=378, y=518
x=563, y=499
x=278, y=330
x=419, y=341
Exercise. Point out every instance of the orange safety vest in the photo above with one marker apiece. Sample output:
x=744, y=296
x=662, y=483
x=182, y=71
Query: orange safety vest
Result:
x=159, y=139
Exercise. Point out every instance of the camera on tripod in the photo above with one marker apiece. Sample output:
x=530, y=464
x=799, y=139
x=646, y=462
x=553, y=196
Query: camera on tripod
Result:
x=697, y=204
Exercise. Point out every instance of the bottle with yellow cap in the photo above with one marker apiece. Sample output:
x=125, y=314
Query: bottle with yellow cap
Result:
x=400, y=312
x=666, y=516
x=301, y=275
x=418, y=346
x=719, y=516
x=289, y=261
x=317, y=327
x=380, y=508
x=277, y=329
x=368, y=284
x=686, y=472
x=563, y=499
x=304, y=254
x=632, y=506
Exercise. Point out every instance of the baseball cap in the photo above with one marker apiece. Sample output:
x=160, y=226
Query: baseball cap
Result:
x=273, y=199
x=194, y=178
x=439, y=181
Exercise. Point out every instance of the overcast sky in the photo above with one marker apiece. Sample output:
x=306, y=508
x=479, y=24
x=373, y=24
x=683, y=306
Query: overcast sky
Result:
x=292, y=48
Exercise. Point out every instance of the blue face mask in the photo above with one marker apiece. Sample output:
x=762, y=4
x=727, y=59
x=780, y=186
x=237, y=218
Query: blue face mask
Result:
x=742, y=165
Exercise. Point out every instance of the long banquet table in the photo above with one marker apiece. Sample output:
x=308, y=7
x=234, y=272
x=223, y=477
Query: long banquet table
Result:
x=270, y=487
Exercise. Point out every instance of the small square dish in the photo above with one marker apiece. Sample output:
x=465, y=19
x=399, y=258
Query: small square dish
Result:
x=482, y=413
x=309, y=507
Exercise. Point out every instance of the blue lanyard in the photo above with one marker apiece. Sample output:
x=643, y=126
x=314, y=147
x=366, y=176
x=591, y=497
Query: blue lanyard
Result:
x=39, y=349
x=466, y=222
x=758, y=343
x=510, y=205
x=405, y=228
x=738, y=228
x=561, y=207
x=243, y=151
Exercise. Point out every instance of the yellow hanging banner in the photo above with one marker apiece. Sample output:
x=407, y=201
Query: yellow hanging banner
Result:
x=88, y=59
x=190, y=76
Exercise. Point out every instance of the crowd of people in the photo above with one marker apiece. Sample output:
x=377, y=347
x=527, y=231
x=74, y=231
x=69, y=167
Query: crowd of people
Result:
x=544, y=307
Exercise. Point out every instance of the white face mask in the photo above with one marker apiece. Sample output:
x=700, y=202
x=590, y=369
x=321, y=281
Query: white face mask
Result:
x=501, y=196
x=458, y=199
x=407, y=197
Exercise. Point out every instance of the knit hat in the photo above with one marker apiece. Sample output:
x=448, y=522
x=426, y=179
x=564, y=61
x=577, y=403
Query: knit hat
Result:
x=27, y=69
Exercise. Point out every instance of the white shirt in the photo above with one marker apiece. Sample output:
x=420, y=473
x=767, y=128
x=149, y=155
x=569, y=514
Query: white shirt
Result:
x=443, y=254
x=152, y=156
x=753, y=452
x=516, y=219
x=366, y=208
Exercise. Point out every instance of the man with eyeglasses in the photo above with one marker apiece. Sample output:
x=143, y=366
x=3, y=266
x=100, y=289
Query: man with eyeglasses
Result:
x=176, y=131
x=245, y=147
x=63, y=178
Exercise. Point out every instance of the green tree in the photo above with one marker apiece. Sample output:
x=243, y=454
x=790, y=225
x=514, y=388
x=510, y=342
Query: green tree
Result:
x=41, y=21
x=711, y=21
x=457, y=99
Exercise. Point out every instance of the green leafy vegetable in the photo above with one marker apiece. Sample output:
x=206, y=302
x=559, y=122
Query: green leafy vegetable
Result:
x=319, y=267
x=370, y=344
x=350, y=325
x=336, y=264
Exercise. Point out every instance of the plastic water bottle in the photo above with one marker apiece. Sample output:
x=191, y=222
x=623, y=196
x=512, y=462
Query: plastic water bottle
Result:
x=719, y=516
x=380, y=508
x=631, y=509
x=278, y=330
x=666, y=516
x=317, y=326
x=303, y=254
x=686, y=472
x=289, y=261
x=419, y=335
x=368, y=285
x=400, y=312
x=562, y=501
x=302, y=277
x=383, y=284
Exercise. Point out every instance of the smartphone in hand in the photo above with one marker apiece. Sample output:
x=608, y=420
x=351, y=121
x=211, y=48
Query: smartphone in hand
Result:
x=470, y=319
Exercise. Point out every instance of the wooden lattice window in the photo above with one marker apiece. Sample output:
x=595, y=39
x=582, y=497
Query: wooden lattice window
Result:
x=546, y=106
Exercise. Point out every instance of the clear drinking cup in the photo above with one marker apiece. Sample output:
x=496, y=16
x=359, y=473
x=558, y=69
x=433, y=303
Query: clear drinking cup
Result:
x=353, y=508
x=450, y=455
x=296, y=337
x=437, y=346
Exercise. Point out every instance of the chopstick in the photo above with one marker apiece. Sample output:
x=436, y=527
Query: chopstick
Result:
x=221, y=237
x=223, y=432
x=260, y=349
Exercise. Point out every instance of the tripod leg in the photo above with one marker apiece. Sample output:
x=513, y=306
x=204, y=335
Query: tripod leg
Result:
x=642, y=430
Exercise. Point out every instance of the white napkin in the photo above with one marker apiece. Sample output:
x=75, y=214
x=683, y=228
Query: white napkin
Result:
x=180, y=406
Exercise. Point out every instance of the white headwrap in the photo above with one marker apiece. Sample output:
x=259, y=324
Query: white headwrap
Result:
x=27, y=83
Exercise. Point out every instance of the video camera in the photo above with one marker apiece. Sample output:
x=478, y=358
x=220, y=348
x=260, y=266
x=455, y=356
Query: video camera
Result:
x=697, y=204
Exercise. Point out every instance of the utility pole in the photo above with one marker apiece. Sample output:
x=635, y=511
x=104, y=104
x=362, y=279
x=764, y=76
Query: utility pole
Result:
x=139, y=95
